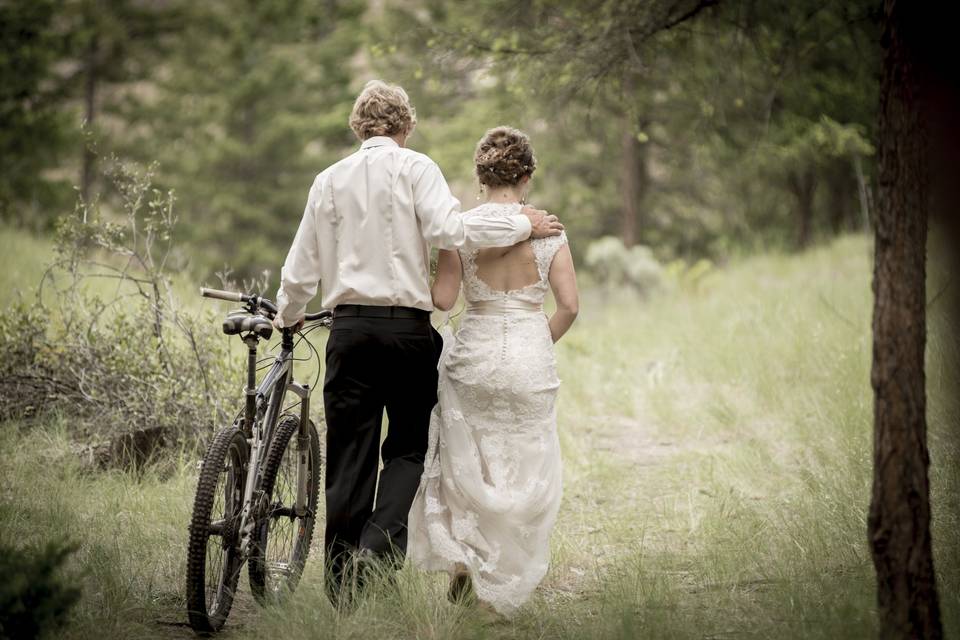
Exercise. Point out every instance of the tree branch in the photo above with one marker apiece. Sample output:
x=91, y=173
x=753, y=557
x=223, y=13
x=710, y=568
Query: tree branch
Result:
x=691, y=13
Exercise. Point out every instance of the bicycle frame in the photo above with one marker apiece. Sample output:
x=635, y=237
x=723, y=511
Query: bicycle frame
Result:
x=262, y=410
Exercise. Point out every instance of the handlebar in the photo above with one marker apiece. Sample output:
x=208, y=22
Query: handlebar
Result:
x=232, y=296
x=319, y=315
x=260, y=302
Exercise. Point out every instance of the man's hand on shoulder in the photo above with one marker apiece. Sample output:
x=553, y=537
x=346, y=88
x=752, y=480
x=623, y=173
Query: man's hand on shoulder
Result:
x=542, y=224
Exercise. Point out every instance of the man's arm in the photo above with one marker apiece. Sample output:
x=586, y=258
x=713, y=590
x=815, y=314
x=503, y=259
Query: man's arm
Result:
x=444, y=227
x=300, y=274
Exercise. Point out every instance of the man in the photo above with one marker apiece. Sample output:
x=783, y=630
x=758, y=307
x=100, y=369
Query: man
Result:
x=365, y=235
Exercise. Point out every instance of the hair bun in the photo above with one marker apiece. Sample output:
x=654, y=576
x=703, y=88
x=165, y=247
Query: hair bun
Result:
x=504, y=156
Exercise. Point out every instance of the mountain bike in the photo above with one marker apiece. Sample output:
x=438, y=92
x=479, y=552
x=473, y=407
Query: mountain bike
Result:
x=257, y=494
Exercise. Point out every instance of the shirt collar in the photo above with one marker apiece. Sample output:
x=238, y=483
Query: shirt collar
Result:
x=379, y=141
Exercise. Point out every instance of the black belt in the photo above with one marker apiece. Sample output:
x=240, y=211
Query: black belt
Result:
x=371, y=311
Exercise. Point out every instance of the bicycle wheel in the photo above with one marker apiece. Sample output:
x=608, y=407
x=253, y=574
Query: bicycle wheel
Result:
x=282, y=540
x=213, y=559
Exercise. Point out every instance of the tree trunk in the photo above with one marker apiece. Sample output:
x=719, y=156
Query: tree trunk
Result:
x=634, y=170
x=634, y=182
x=838, y=196
x=90, y=112
x=803, y=185
x=899, y=521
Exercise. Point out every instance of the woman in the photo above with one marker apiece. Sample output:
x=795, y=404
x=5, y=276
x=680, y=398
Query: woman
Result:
x=491, y=485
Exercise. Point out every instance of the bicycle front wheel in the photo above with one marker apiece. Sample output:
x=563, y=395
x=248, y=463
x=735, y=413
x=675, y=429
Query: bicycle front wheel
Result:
x=282, y=539
x=213, y=556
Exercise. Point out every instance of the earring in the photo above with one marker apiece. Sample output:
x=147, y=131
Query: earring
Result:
x=480, y=192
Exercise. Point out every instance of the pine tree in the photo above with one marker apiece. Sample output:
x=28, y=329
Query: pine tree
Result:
x=251, y=107
x=33, y=128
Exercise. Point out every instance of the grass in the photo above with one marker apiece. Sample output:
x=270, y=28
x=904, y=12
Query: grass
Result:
x=24, y=259
x=717, y=474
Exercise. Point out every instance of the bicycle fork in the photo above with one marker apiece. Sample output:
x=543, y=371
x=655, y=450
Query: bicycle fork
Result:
x=257, y=440
x=303, y=447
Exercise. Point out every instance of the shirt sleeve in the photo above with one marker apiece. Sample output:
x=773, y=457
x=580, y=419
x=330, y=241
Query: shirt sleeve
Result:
x=300, y=275
x=444, y=227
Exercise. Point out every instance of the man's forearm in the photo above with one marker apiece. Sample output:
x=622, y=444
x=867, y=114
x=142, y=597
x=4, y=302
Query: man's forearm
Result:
x=292, y=299
x=300, y=275
x=495, y=231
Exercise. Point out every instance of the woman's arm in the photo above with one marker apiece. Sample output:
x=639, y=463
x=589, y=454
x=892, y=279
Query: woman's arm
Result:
x=446, y=286
x=563, y=282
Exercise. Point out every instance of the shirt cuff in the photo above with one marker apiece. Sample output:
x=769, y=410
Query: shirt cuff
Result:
x=287, y=312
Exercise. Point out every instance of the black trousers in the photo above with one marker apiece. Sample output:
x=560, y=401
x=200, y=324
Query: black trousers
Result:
x=375, y=363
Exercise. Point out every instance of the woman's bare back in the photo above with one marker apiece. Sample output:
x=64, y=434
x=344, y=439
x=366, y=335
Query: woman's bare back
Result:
x=508, y=268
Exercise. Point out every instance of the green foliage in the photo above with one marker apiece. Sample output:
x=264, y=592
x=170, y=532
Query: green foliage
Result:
x=33, y=127
x=110, y=373
x=614, y=265
x=35, y=597
x=63, y=65
x=253, y=104
x=119, y=357
x=715, y=153
x=637, y=132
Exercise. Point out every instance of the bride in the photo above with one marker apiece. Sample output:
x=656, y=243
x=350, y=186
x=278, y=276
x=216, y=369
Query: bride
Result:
x=491, y=485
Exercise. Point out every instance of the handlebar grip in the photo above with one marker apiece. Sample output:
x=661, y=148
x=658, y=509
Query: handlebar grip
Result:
x=232, y=296
x=319, y=315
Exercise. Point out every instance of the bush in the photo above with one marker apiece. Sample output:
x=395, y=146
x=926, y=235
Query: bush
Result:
x=613, y=265
x=34, y=598
x=126, y=362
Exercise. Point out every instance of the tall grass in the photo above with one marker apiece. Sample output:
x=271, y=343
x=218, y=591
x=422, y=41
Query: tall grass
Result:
x=717, y=474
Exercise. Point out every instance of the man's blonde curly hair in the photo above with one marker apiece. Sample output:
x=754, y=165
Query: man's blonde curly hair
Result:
x=382, y=109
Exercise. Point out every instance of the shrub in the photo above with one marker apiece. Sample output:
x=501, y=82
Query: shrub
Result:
x=614, y=265
x=34, y=597
x=126, y=361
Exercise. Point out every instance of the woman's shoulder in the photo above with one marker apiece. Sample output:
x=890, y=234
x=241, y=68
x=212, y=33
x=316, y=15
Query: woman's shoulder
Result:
x=546, y=248
x=493, y=209
x=552, y=241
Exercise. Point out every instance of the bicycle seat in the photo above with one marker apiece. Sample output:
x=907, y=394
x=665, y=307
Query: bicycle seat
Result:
x=242, y=322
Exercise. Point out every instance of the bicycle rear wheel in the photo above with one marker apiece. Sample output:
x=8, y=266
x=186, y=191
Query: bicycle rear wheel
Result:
x=213, y=557
x=281, y=542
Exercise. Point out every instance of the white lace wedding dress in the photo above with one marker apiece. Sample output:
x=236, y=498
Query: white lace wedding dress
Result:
x=491, y=485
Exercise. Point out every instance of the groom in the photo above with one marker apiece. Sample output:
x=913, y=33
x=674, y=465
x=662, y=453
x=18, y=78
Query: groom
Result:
x=365, y=235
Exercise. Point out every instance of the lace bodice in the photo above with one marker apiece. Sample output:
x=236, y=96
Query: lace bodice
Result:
x=544, y=249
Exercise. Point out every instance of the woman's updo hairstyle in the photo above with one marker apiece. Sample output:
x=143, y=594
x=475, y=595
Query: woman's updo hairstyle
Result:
x=504, y=156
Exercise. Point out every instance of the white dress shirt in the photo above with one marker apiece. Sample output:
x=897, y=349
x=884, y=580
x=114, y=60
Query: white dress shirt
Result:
x=367, y=229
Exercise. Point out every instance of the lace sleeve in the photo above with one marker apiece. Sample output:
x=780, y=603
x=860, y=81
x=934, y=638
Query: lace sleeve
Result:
x=545, y=249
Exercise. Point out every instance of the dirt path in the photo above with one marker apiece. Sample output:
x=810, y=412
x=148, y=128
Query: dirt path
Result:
x=174, y=624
